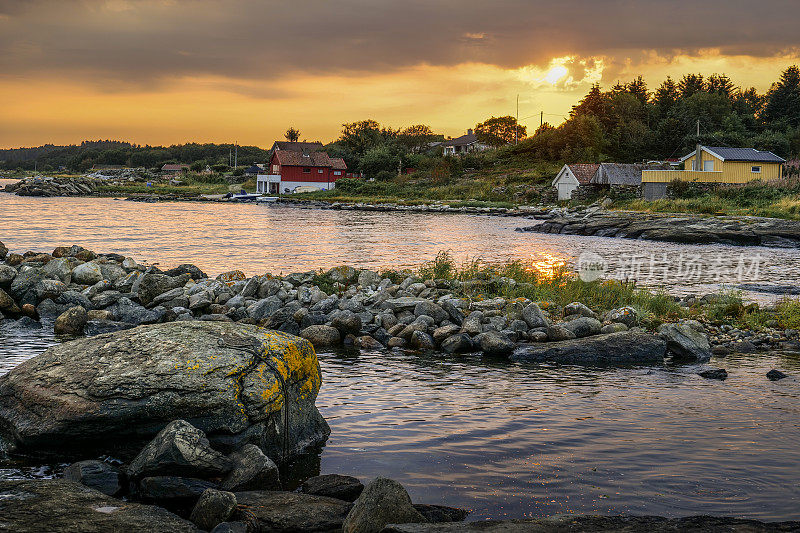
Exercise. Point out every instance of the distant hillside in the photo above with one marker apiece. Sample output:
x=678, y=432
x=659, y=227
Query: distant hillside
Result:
x=89, y=153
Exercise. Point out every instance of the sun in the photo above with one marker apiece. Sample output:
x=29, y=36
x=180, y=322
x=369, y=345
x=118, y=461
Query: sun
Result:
x=555, y=74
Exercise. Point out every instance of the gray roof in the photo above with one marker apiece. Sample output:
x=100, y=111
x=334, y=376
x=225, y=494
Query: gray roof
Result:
x=623, y=173
x=740, y=154
x=464, y=140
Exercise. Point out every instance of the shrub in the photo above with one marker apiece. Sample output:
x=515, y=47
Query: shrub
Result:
x=788, y=312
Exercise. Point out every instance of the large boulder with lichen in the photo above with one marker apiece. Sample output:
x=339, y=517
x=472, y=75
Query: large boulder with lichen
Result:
x=118, y=390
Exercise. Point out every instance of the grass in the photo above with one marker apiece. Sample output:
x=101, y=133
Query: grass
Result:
x=193, y=185
x=554, y=289
x=777, y=200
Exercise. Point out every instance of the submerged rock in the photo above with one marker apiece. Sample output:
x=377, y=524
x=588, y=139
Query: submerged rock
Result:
x=775, y=375
x=685, y=343
x=60, y=505
x=345, y=488
x=714, y=373
x=623, y=348
x=96, y=475
x=120, y=388
x=290, y=512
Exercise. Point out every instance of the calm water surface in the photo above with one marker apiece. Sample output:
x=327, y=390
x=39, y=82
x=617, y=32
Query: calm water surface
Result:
x=259, y=239
x=509, y=440
x=500, y=438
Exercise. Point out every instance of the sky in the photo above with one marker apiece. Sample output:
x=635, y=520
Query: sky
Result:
x=174, y=71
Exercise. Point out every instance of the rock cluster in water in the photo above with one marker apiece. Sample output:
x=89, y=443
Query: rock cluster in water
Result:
x=47, y=186
x=686, y=229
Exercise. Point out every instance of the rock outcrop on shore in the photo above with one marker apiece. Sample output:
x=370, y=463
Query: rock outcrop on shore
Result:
x=46, y=186
x=685, y=229
x=126, y=386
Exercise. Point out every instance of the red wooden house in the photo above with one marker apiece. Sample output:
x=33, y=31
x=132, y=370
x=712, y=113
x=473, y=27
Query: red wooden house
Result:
x=306, y=168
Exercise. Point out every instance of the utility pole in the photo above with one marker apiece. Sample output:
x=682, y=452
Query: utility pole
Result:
x=541, y=119
x=698, y=127
x=516, y=123
x=236, y=156
x=230, y=156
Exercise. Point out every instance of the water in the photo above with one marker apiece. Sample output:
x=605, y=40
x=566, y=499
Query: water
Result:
x=510, y=440
x=259, y=239
x=502, y=439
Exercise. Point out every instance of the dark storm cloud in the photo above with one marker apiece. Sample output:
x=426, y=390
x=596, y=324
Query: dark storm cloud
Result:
x=148, y=41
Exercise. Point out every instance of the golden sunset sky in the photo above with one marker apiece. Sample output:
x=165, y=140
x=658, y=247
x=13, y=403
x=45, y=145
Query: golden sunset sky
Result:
x=174, y=71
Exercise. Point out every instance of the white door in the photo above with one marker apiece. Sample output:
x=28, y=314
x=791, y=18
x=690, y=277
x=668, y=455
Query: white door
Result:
x=565, y=191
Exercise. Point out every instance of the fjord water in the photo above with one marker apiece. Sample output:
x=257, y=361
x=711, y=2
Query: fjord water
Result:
x=503, y=439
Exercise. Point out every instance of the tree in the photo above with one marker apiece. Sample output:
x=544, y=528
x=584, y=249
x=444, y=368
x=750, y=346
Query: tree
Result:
x=416, y=138
x=638, y=88
x=691, y=84
x=292, y=134
x=379, y=161
x=783, y=99
x=358, y=137
x=666, y=96
x=497, y=131
x=720, y=84
x=594, y=103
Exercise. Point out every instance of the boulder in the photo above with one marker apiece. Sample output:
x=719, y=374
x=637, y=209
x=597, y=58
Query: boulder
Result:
x=579, y=309
x=624, y=348
x=685, y=342
x=3, y=251
x=120, y=388
x=421, y=341
x=49, y=289
x=321, y=336
x=23, y=287
x=125, y=310
x=346, y=322
x=623, y=315
x=432, y=310
x=97, y=475
x=213, y=508
x=458, y=343
x=383, y=502
x=179, y=449
x=775, y=375
x=291, y=512
x=251, y=470
x=614, y=327
x=345, y=488
x=173, y=492
x=533, y=316
x=232, y=527
x=194, y=272
x=71, y=321
x=343, y=274
x=87, y=274
x=7, y=303
x=60, y=269
x=583, y=326
x=558, y=332
x=152, y=285
x=495, y=344
x=7, y=275
x=29, y=506
x=441, y=513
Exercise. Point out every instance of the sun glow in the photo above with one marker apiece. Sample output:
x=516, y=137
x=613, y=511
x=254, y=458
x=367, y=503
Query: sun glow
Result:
x=555, y=74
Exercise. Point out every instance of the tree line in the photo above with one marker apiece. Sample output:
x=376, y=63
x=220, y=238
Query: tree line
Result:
x=630, y=123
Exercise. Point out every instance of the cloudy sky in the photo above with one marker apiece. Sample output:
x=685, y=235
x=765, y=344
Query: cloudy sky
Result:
x=170, y=71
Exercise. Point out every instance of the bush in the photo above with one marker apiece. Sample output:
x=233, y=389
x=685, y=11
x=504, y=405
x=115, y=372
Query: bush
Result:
x=788, y=312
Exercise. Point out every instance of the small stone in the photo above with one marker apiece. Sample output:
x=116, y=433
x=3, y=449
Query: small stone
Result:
x=422, y=341
x=495, y=344
x=715, y=373
x=583, y=326
x=384, y=501
x=775, y=375
x=321, y=336
x=97, y=475
x=577, y=308
x=559, y=333
x=71, y=321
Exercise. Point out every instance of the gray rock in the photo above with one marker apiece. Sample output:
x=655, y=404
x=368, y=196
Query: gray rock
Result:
x=775, y=375
x=97, y=475
x=106, y=299
x=558, y=332
x=625, y=348
x=321, y=336
x=441, y=513
x=345, y=488
x=71, y=321
x=473, y=323
x=583, y=326
x=443, y=332
x=624, y=315
x=368, y=279
x=201, y=300
x=7, y=303
x=685, y=342
x=421, y=341
x=152, y=285
x=177, y=292
x=179, y=449
x=23, y=287
x=405, y=303
x=187, y=268
x=173, y=492
x=432, y=310
x=346, y=322
x=714, y=373
x=292, y=512
x=87, y=274
x=30, y=506
x=264, y=308
x=213, y=508
x=533, y=315
x=383, y=502
x=455, y=314
x=7, y=275
x=325, y=306
x=98, y=327
x=60, y=269
x=72, y=298
x=343, y=274
x=144, y=378
x=126, y=310
x=495, y=344
x=49, y=289
x=577, y=308
x=251, y=470
x=458, y=343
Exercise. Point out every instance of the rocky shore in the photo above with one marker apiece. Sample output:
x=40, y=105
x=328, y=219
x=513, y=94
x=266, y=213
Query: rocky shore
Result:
x=684, y=229
x=177, y=397
x=49, y=187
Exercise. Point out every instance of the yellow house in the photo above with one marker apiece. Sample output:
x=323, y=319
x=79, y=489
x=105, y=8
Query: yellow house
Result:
x=715, y=164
